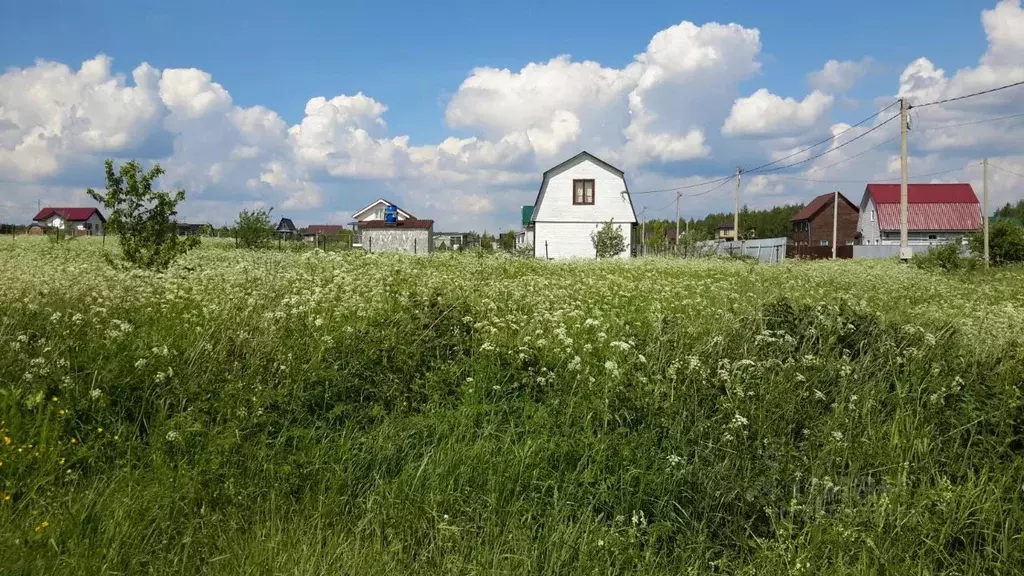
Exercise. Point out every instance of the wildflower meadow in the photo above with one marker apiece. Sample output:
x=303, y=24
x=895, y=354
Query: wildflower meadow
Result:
x=287, y=412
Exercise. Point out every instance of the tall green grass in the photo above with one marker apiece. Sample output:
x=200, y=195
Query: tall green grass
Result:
x=271, y=412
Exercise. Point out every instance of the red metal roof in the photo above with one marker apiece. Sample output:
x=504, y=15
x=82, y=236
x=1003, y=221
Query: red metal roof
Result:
x=71, y=214
x=817, y=204
x=949, y=217
x=411, y=223
x=923, y=193
x=930, y=207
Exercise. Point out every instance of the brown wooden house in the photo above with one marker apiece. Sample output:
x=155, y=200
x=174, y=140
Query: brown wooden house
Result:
x=812, y=226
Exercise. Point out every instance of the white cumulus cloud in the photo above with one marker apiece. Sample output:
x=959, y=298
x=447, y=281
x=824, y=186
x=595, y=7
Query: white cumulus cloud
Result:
x=763, y=113
x=838, y=76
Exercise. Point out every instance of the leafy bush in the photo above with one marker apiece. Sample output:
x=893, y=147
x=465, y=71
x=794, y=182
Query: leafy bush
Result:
x=1005, y=243
x=142, y=218
x=254, y=228
x=948, y=257
x=608, y=241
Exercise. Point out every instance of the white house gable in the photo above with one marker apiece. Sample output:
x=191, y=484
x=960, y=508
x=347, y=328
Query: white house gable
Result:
x=375, y=211
x=610, y=197
x=574, y=200
x=868, y=225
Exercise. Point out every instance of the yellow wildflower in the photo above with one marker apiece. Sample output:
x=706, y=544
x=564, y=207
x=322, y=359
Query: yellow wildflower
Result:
x=7, y=440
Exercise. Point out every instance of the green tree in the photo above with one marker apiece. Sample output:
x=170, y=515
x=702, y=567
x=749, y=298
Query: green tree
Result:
x=346, y=237
x=608, y=241
x=487, y=242
x=1005, y=243
x=657, y=235
x=1013, y=211
x=507, y=241
x=254, y=229
x=142, y=218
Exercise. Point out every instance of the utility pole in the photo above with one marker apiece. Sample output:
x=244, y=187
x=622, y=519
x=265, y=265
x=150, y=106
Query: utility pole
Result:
x=678, y=195
x=905, y=253
x=835, y=222
x=984, y=203
x=736, y=212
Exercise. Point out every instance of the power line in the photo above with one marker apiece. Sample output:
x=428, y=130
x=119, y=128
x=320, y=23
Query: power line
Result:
x=709, y=191
x=819, y=143
x=686, y=187
x=982, y=121
x=863, y=181
x=850, y=141
x=855, y=156
x=1006, y=170
x=965, y=96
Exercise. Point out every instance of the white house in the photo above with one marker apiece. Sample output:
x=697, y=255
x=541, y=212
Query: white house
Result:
x=373, y=212
x=575, y=199
x=936, y=213
x=76, y=220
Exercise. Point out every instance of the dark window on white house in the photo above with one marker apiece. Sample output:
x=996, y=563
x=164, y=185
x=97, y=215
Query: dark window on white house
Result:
x=933, y=236
x=582, y=191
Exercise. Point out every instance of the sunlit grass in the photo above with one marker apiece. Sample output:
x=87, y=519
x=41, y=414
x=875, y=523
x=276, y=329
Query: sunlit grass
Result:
x=310, y=413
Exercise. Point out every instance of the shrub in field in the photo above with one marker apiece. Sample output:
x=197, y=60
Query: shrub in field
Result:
x=254, y=229
x=947, y=257
x=608, y=241
x=142, y=218
x=1005, y=243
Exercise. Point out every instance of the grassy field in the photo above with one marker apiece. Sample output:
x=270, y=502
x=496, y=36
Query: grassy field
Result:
x=309, y=413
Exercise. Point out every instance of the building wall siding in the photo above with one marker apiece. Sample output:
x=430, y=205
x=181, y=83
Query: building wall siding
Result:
x=58, y=221
x=562, y=240
x=610, y=202
x=892, y=238
x=565, y=227
x=868, y=222
x=411, y=241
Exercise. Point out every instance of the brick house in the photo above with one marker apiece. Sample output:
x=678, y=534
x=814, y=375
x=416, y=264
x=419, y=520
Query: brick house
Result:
x=812, y=226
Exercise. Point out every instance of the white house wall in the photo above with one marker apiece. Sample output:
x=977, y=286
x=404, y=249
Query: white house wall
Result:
x=867, y=223
x=562, y=240
x=95, y=224
x=610, y=200
x=892, y=238
x=412, y=241
x=56, y=221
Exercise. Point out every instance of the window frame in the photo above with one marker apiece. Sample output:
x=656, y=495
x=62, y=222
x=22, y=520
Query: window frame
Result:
x=583, y=200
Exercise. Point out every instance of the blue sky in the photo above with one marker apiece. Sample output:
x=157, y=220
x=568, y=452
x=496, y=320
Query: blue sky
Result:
x=413, y=56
